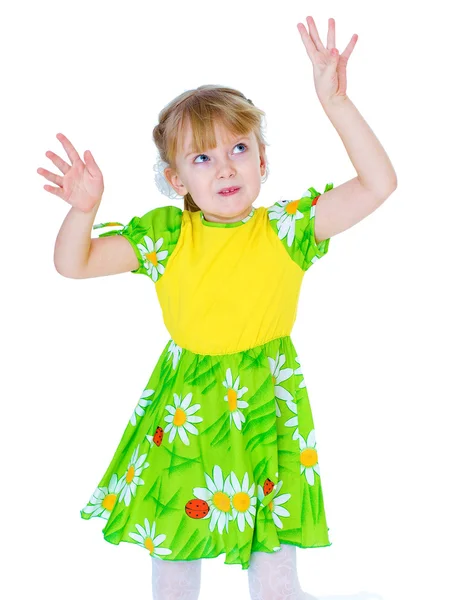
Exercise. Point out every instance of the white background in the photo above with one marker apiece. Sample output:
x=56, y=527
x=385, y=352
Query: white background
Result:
x=385, y=328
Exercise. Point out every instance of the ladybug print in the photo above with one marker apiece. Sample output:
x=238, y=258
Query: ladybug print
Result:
x=158, y=436
x=268, y=487
x=314, y=200
x=197, y=509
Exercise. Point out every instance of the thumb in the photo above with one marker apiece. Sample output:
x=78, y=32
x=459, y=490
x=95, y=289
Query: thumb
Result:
x=90, y=163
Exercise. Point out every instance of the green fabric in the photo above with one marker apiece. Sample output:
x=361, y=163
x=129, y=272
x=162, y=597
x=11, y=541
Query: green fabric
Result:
x=296, y=229
x=219, y=457
x=157, y=231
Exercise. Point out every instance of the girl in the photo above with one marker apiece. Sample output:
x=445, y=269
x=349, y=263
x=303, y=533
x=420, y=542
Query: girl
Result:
x=220, y=454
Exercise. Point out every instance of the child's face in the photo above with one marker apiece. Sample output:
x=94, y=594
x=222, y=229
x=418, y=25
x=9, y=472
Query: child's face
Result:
x=229, y=164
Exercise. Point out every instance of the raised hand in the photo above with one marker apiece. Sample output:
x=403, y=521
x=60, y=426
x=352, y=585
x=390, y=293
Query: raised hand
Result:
x=330, y=76
x=82, y=185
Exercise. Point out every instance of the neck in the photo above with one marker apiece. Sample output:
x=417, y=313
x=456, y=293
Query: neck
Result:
x=216, y=219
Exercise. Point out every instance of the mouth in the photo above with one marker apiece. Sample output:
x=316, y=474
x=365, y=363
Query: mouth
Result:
x=229, y=191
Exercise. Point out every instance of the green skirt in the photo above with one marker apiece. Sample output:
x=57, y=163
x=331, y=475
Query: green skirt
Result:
x=218, y=457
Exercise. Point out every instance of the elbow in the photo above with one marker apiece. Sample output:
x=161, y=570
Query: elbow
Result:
x=65, y=273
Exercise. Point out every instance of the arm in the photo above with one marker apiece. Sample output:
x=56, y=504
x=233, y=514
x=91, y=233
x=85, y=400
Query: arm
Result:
x=78, y=256
x=347, y=204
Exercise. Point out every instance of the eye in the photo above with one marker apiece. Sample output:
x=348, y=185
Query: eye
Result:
x=244, y=145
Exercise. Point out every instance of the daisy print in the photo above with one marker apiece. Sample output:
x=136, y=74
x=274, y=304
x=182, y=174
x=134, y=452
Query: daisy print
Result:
x=103, y=499
x=147, y=538
x=181, y=418
x=217, y=499
x=141, y=405
x=298, y=371
x=293, y=422
x=243, y=502
x=286, y=213
x=275, y=505
x=279, y=375
x=152, y=257
x=176, y=351
x=232, y=396
x=309, y=457
x=131, y=478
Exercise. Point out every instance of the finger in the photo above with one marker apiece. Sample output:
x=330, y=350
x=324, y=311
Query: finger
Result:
x=314, y=35
x=54, y=190
x=68, y=146
x=331, y=34
x=58, y=162
x=91, y=164
x=51, y=176
x=308, y=43
x=350, y=46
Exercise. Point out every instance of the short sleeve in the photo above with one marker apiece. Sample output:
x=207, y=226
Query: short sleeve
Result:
x=293, y=222
x=153, y=238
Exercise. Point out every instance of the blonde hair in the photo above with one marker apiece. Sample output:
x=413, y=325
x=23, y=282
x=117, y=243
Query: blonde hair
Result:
x=202, y=108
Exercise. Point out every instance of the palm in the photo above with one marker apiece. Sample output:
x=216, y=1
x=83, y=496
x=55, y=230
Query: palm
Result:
x=82, y=185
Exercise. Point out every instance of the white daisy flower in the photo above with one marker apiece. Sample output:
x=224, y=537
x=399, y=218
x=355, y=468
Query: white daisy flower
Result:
x=275, y=504
x=293, y=422
x=287, y=213
x=130, y=480
x=146, y=538
x=103, y=499
x=232, y=397
x=242, y=500
x=152, y=257
x=298, y=371
x=176, y=351
x=217, y=499
x=143, y=403
x=278, y=377
x=309, y=457
x=181, y=418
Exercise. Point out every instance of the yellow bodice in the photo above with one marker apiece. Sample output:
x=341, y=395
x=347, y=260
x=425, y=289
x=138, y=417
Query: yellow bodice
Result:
x=228, y=289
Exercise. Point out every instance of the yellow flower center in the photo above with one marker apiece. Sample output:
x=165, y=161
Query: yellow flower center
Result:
x=152, y=257
x=149, y=544
x=109, y=501
x=308, y=457
x=180, y=417
x=241, y=501
x=270, y=505
x=232, y=399
x=274, y=380
x=291, y=207
x=130, y=474
x=221, y=501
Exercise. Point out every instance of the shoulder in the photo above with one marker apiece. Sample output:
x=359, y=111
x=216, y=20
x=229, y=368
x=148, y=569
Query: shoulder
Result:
x=157, y=221
x=293, y=222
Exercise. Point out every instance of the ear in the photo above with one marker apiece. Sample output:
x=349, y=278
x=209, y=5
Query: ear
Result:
x=262, y=163
x=175, y=181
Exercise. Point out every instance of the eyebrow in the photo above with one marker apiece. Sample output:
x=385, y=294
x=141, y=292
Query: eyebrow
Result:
x=238, y=137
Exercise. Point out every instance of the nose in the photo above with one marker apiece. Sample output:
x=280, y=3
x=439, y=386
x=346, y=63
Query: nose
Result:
x=226, y=168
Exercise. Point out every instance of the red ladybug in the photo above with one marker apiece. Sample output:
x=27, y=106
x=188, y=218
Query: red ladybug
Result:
x=158, y=436
x=315, y=199
x=197, y=509
x=268, y=487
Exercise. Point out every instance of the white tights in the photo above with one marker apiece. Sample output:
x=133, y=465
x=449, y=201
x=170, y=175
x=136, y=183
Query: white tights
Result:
x=270, y=577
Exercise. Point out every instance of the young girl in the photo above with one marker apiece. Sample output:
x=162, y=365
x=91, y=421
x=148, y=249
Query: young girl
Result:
x=220, y=454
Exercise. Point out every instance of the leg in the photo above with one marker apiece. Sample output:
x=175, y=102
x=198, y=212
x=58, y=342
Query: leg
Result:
x=176, y=580
x=274, y=577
